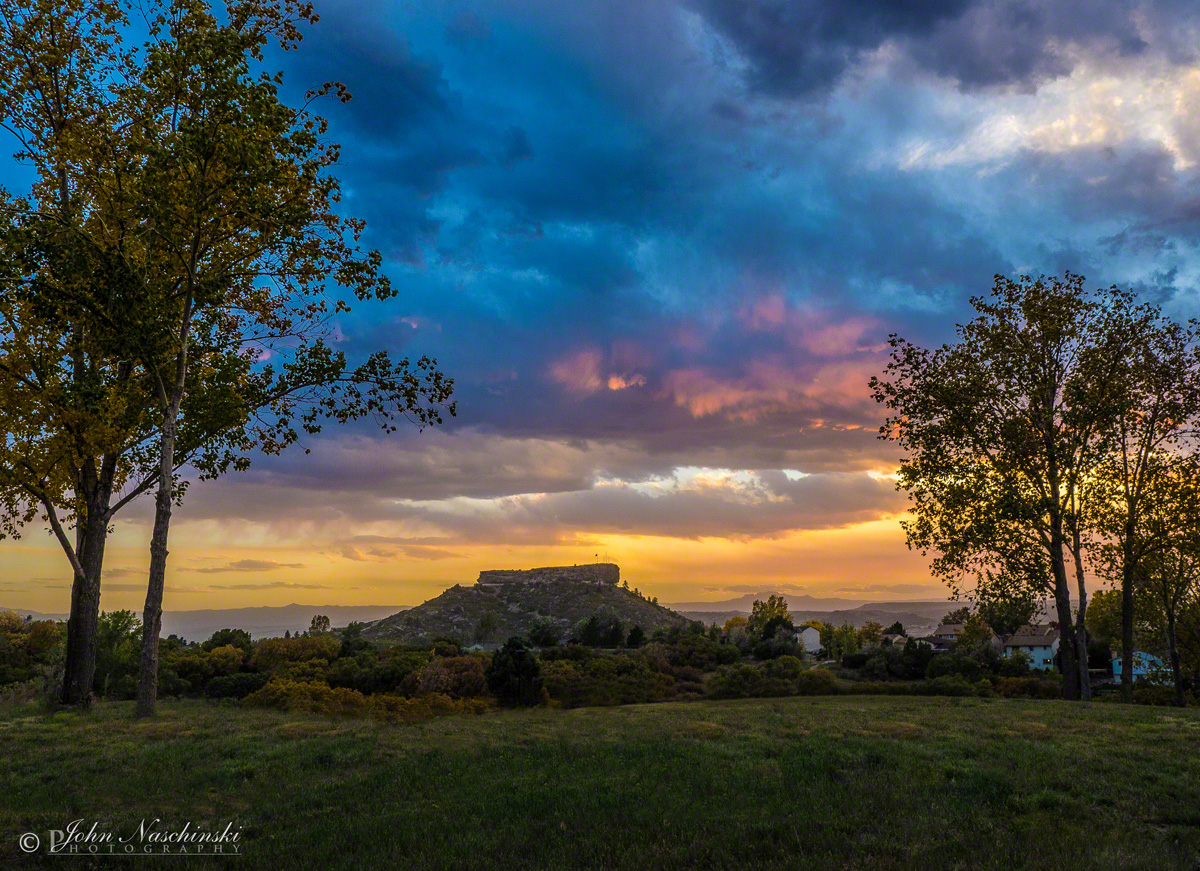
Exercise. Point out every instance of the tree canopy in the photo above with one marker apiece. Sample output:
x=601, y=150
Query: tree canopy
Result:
x=172, y=282
x=1004, y=433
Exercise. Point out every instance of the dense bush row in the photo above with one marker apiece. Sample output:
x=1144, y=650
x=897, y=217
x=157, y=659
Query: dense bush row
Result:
x=342, y=673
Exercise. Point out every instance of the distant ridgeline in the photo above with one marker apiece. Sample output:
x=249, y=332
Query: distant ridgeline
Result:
x=504, y=603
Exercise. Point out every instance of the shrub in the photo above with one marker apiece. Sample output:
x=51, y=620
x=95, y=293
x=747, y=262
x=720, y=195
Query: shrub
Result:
x=1028, y=688
x=780, y=677
x=225, y=660
x=307, y=696
x=27, y=648
x=514, y=674
x=691, y=650
x=388, y=669
x=955, y=663
x=816, y=682
x=271, y=653
x=880, y=688
x=876, y=668
x=776, y=646
x=1150, y=693
x=236, y=686
x=239, y=638
x=170, y=683
x=1016, y=664
x=308, y=670
x=787, y=668
x=857, y=659
x=571, y=652
x=398, y=709
x=458, y=677
x=947, y=685
x=446, y=647
x=739, y=681
x=545, y=632
x=602, y=629
x=613, y=679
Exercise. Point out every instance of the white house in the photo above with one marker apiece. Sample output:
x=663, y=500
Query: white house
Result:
x=1038, y=641
x=809, y=638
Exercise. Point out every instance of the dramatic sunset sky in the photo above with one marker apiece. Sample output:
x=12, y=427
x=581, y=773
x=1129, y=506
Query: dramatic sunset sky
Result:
x=660, y=246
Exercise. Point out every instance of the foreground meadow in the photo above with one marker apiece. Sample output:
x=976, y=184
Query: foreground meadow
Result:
x=838, y=782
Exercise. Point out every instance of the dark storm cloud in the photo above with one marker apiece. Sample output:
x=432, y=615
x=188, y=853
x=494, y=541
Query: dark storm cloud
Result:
x=632, y=263
x=796, y=47
x=799, y=48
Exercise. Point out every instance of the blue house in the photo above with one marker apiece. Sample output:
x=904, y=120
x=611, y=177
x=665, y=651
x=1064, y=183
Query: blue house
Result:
x=1038, y=641
x=1143, y=665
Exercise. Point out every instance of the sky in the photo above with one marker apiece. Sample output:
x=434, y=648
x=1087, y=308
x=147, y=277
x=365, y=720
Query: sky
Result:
x=660, y=247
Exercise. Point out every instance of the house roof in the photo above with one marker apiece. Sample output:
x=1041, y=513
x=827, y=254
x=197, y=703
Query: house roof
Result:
x=949, y=629
x=1035, y=635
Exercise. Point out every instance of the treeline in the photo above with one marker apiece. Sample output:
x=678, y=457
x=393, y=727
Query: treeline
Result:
x=341, y=672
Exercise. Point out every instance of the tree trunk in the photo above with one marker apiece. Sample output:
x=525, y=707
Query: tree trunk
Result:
x=1066, y=646
x=1173, y=653
x=1066, y=627
x=147, y=692
x=1081, y=633
x=1127, y=574
x=79, y=668
x=1085, y=676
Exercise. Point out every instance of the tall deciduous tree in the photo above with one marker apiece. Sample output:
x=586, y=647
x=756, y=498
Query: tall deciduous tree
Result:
x=194, y=274
x=70, y=412
x=1169, y=571
x=1159, y=384
x=249, y=257
x=1002, y=433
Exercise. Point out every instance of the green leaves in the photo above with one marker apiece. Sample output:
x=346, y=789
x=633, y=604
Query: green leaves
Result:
x=1035, y=436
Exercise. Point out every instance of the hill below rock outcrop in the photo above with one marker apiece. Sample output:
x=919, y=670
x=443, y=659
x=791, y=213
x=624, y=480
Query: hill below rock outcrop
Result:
x=515, y=599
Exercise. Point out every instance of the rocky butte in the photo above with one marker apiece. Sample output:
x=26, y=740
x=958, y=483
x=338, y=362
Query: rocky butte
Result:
x=506, y=602
x=596, y=573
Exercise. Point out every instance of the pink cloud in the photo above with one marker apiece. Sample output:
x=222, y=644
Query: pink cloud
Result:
x=579, y=372
x=808, y=329
x=768, y=387
x=584, y=372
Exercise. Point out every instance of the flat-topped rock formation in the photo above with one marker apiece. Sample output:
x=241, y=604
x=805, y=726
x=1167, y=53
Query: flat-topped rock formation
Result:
x=504, y=603
x=593, y=573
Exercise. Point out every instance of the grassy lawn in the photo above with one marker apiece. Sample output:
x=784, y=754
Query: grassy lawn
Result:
x=866, y=782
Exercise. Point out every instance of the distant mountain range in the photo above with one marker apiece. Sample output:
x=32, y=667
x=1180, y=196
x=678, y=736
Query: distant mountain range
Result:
x=270, y=621
x=262, y=622
x=746, y=602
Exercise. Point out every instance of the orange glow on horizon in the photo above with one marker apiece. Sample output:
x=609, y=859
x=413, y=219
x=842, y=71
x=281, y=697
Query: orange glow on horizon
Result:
x=866, y=561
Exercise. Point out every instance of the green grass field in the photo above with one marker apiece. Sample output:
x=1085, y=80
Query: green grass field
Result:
x=844, y=782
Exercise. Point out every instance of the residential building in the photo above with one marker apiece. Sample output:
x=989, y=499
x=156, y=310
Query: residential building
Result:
x=809, y=638
x=1039, y=641
x=1144, y=664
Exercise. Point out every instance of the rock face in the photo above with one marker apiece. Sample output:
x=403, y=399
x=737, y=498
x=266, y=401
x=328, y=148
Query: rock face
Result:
x=506, y=603
x=596, y=573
